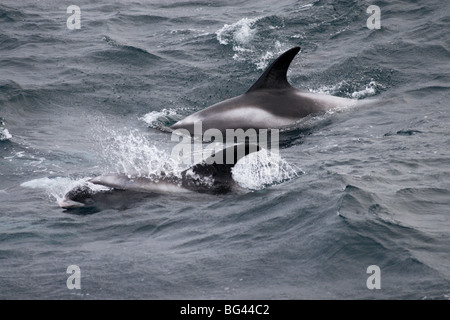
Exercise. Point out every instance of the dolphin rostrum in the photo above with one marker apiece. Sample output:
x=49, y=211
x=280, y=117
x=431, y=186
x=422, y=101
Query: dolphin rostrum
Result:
x=270, y=103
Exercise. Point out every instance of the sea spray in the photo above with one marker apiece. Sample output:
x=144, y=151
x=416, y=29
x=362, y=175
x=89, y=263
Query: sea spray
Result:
x=130, y=152
x=163, y=118
x=264, y=168
x=244, y=37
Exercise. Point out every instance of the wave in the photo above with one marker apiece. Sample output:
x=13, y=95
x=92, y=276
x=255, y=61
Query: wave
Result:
x=124, y=46
x=9, y=42
x=138, y=19
x=8, y=14
x=404, y=220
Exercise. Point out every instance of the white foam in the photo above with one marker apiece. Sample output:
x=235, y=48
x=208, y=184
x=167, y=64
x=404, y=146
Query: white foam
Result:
x=370, y=90
x=205, y=180
x=305, y=7
x=155, y=118
x=239, y=33
x=330, y=89
x=5, y=135
x=242, y=35
x=261, y=169
x=131, y=153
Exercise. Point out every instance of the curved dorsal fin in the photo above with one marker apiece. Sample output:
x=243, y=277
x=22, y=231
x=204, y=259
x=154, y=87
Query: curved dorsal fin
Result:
x=275, y=75
x=214, y=175
x=224, y=160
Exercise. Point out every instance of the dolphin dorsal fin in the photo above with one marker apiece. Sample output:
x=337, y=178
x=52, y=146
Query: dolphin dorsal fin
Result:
x=214, y=175
x=224, y=160
x=275, y=75
x=231, y=155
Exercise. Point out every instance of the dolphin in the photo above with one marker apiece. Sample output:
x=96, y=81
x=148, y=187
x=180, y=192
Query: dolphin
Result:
x=270, y=103
x=212, y=175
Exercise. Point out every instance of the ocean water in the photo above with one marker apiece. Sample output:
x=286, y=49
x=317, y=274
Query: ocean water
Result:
x=357, y=187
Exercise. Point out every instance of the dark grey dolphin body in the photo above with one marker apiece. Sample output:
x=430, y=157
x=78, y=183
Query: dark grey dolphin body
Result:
x=270, y=103
x=213, y=176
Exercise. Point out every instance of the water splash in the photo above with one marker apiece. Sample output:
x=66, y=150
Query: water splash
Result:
x=244, y=37
x=239, y=33
x=349, y=90
x=264, y=60
x=130, y=152
x=161, y=119
x=371, y=89
x=262, y=169
x=4, y=133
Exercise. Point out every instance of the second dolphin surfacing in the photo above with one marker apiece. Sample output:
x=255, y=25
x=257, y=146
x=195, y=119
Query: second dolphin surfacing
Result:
x=213, y=175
